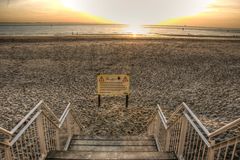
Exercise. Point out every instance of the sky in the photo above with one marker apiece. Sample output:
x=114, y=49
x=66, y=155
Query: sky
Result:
x=210, y=13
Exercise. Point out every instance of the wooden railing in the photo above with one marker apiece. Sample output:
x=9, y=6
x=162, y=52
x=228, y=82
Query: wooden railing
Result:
x=185, y=135
x=39, y=132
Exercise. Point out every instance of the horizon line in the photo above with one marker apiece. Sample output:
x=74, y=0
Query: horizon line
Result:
x=81, y=23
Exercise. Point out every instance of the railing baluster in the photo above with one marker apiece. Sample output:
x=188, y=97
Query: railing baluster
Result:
x=196, y=147
x=190, y=144
x=18, y=152
x=188, y=137
x=193, y=144
x=219, y=151
x=37, y=133
x=226, y=151
x=21, y=147
x=234, y=149
x=156, y=132
x=200, y=149
x=183, y=133
x=179, y=132
x=204, y=151
x=34, y=146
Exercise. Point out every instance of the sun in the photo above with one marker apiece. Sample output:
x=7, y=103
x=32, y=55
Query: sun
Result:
x=69, y=4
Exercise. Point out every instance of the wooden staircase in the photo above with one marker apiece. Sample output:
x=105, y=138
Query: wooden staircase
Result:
x=41, y=135
x=137, y=148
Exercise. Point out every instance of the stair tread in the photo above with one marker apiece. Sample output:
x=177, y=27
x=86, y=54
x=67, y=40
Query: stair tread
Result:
x=113, y=143
x=75, y=155
x=97, y=138
x=112, y=148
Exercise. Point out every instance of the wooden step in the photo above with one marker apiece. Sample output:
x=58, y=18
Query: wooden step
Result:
x=76, y=155
x=121, y=138
x=113, y=148
x=113, y=143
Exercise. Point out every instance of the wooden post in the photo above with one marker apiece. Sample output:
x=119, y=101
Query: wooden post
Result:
x=210, y=152
x=182, y=139
x=8, y=154
x=69, y=133
x=57, y=139
x=168, y=138
x=99, y=100
x=41, y=136
x=127, y=97
x=156, y=132
x=151, y=128
x=69, y=126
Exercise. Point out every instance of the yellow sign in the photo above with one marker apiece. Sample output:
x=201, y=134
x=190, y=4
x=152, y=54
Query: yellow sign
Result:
x=113, y=84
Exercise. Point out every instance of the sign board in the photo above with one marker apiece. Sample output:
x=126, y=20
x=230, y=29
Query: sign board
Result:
x=113, y=84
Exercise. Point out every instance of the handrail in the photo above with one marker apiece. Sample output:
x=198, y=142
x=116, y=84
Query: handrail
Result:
x=39, y=132
x=47, y=116
x=185, y=107
x=10, y=133
x=162, y=118
x=63, y=119
x=176, y=111
x=68, y=106
x=224, y=128
x=4, y=131
x=47, y=131
x=198, y=131
x=196, y=119
x=25, y=128
x=228, y=142
x=160, y=109
x=185, y=135
x=26, y=117
x=49, y=111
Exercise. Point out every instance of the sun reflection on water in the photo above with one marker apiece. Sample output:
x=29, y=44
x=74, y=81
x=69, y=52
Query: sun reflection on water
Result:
x=136, y=30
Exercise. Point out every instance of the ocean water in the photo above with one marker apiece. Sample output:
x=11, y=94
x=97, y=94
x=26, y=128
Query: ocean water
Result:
x=67, y=29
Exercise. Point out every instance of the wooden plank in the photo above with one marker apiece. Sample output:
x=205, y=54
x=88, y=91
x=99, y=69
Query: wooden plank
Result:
x=121, y=138
x=113, y=143
x=75, y=155
x=113, y=148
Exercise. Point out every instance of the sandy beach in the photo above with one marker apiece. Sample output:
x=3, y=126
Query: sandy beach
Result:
x=205, y=74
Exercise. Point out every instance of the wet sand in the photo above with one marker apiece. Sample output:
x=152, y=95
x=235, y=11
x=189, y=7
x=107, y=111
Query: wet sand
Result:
x=205, y=74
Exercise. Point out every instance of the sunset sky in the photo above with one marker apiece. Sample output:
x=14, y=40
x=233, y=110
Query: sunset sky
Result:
x=212, y=13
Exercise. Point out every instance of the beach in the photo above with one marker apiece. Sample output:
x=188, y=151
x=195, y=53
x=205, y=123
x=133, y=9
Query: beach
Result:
x=203, y=73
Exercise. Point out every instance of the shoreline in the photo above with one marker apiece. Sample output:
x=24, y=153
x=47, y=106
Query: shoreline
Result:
x=107, y=37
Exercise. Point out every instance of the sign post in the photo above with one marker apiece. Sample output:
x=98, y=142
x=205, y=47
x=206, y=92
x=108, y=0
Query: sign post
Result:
x=99, y=100
x=113, y=85
x=127, y=101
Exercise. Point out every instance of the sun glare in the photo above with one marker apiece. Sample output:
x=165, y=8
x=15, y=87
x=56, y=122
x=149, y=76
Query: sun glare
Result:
x=138, y=12
x=135, y=29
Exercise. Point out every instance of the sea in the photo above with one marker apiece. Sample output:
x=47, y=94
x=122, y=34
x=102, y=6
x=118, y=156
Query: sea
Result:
x=92, y=29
